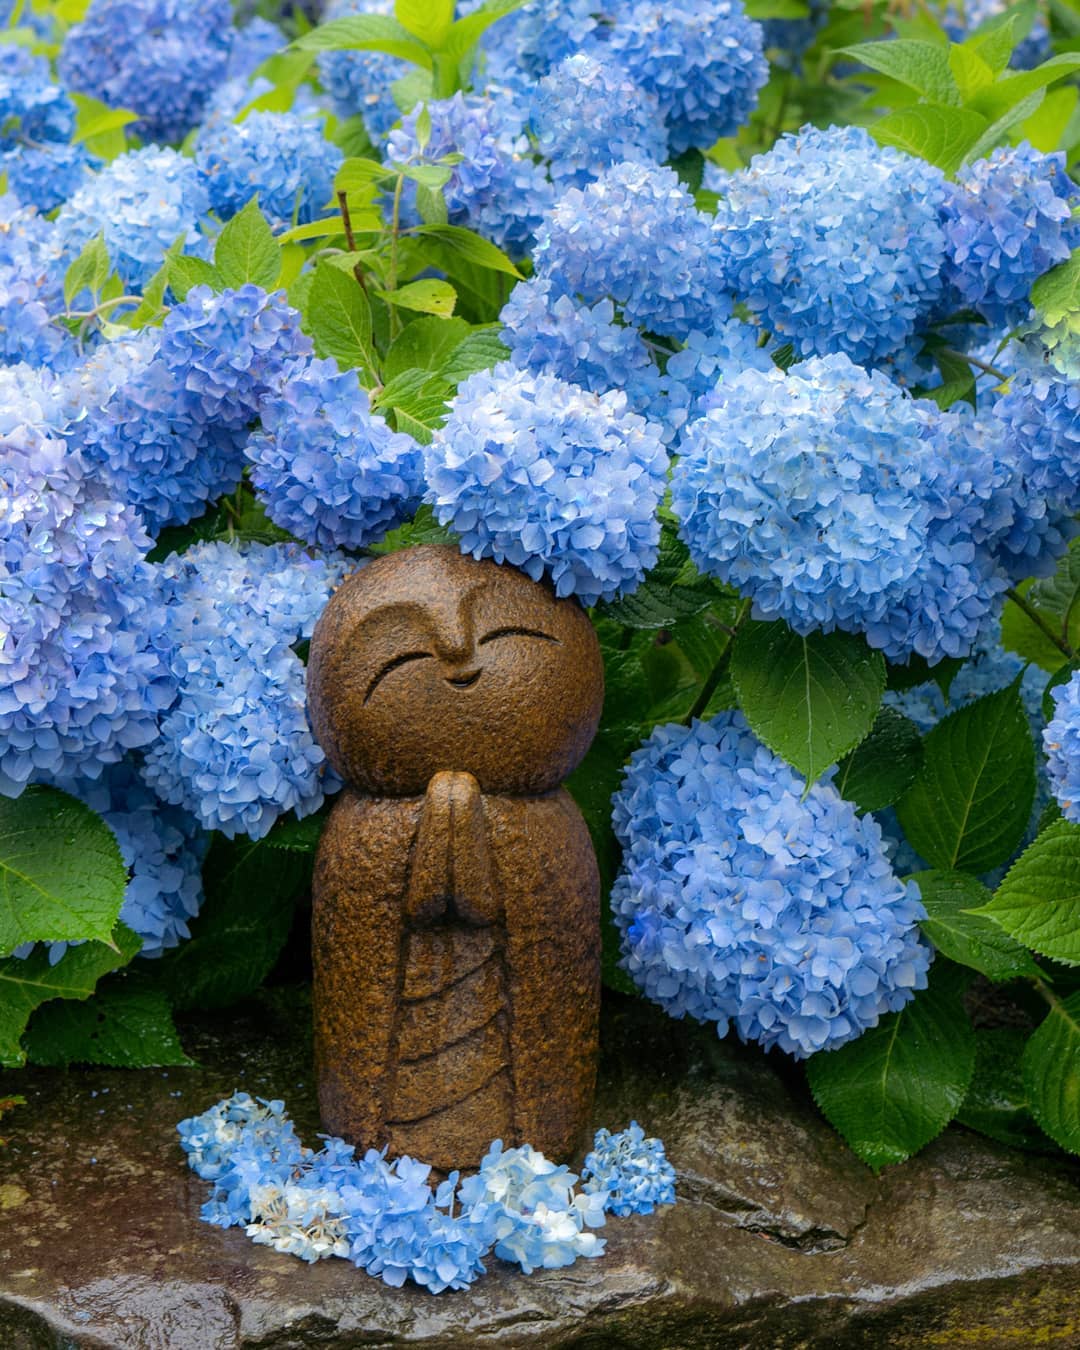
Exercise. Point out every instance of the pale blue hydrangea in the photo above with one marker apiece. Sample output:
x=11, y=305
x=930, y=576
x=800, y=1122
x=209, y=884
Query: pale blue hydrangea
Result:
x=252, y=44
x=166, y=412
x=1061, y=741
x=162, y=847
x=83, y=670
x=527, y=44
x=27, y=332
x=1008, y=219
x=360, y=82
x=632, y=1170
x=497, y=189
x=701, y=58
x=160, y=58
x=235, y=749
x=142, y=203
x=835, y=241
x=589, y=114
x=835, y=501
x=694, y=375
x=46, y=176
x=750, y=900
x=635, y=236
x=33, y=109
x=31, y=246
x=967, y=16
x=1041, y=415
x=326, y=467
x=539, y=473
x=282, y=158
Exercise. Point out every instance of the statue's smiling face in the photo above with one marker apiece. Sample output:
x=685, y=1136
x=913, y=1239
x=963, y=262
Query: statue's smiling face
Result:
x=427, y=660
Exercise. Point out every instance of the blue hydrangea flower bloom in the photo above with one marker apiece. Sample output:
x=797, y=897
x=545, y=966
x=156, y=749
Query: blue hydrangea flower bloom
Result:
x=160, y=58
x=588, y=115
x=744, y=903
x=83, y=670
x=31, y=246
x=1041, y=414
x=786, y=41
x=1007, y=220
x=536, y=472
x=634, y=235
x=142, y=202
x=37, y=119
x=835, y=241
x=631, y=1170
x=497, y=189
x=326, y=467
x=701, y=58
x=236, y=750
x=693, y=376
x=282, y=157
x=166, y=413
x=549, y=333
x=1061, y=741
x=835, y=501
x=47, y=177
x=27, y=332
x=360, y=82
x=257, y=41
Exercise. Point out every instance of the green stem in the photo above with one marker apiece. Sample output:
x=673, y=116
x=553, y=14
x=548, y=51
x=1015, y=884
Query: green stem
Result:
x=395, y=230
x=1037, y=619
x=976, y=362
x=712, y=680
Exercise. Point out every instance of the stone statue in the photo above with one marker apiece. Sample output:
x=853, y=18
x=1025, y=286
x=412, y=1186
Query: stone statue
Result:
x=456, y=896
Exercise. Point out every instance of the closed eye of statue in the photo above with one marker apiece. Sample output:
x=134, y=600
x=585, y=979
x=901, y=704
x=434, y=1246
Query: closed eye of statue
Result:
x=391, y=665
x=517, y=632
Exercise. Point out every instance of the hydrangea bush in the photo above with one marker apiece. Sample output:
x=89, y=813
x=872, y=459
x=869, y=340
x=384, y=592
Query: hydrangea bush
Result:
x=770, y=363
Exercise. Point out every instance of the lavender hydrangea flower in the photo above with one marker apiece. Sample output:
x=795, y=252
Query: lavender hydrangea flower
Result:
x=283, y=158
x=539, y=473
x=635, y=236
x=1061, y=741
x=1007, y=220
x=166, y=413
x=744, y=902
x=633, y=1172
x=837, y=502
x=835, y=241
x=83, y=669
x=142, y=203
x=326, y=467
x=236, y=750
x=589, y=114
x=160, y=58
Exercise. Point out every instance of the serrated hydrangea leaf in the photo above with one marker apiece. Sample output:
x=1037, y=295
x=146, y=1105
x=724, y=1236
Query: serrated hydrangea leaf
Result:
x=61, y=874
x=366, y=32
x=898, y=1086
x=27, y=983
x=89, y=271
x=996, y=1104
x=881, y=769
x=920, y=65
x=186, y=272
x=1007, y=94
x=338, y=317
x=422, y=529
x=942, y=135
x=469, y=246
x=970, y=939
x=424, y=344
x=298, y=836
x=427, y=296
x=479, y=351
x=971, y=73
x=810, y=699
x=1056, y=597
x=126, y=1024
x=251, y=891
x=1038, y=902
x=246, y=250
x=1056, y=294
x=970, y=804
x=417, y=398
x=1052, y=1073
x=429, y=20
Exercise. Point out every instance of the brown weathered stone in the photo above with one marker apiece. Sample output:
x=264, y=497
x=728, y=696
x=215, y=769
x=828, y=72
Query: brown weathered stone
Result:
x=456, y=900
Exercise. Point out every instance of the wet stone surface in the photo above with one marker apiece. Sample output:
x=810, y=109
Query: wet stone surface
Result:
x=781, y=1239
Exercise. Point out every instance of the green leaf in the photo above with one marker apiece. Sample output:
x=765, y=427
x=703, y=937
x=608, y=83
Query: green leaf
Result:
x=89, y=271
x=880, y=770
x=357, y=174
x=971, y=73
x=810, y=699
x=998, y=129
x=422, y=529
x=970, y=939
x=1009, y=93
x=1052, y=1073
x=895, y=1088
x=996, y=1103
x=481, y=350
x=467, y=31
x=428, y=296
x=1047, y=128
x=418, y=399
x=26, y=984
x=939, y=134
x=1056, y=294
x=127, y=1024
x=923, y=66
x=1038, y=903
x=429, y=20
x=247, y=251
x=1020, y=635
x=99, y=127
x=471, y=247
x=338, y=317
x=366, y=32
x=425, y=344
x=251, y=892
x=185, y=272
x=301, y=836
x=672, y=590
x=61, y=874
x=969, y=806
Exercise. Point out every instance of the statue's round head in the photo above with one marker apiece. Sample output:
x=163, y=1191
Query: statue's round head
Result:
x=426, y=660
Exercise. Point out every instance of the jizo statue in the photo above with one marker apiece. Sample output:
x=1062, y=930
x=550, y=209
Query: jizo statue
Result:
x=456, y=896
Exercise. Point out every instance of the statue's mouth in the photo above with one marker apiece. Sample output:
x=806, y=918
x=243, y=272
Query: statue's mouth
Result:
x=464, y=681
